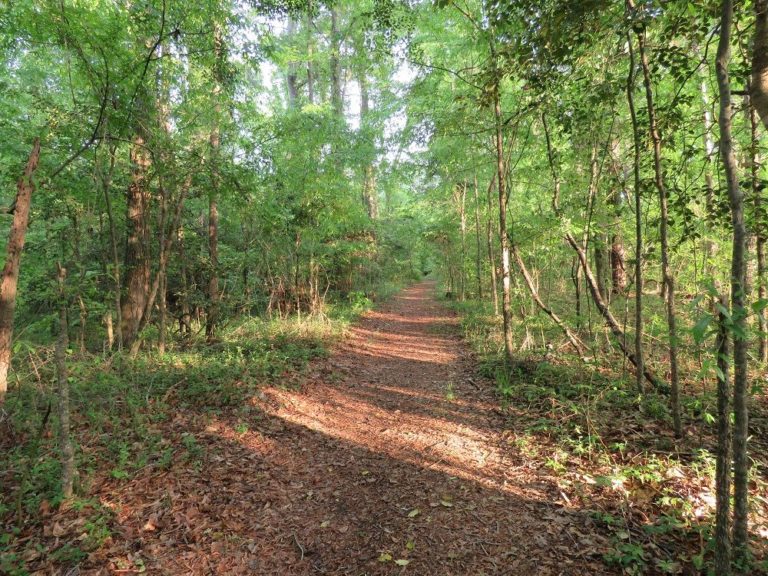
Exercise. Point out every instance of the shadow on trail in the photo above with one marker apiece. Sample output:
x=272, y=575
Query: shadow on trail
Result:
x=289, y=500
x=399, y=460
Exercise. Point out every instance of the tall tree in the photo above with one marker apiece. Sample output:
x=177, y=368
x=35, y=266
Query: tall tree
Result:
x=668, y=283
x=10, y=278
x=738, y=303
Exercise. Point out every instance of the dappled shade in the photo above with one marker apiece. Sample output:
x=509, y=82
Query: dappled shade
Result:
x=378, y=458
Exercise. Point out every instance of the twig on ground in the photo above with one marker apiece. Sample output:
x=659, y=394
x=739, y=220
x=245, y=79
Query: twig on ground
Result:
x=301, y=548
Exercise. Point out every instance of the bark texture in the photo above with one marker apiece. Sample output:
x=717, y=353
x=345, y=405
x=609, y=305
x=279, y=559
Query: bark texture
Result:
x=759, y=89
x=668, y=284
x=24, y=189
x=740, y=537
x=133, y=300
x=62, y=342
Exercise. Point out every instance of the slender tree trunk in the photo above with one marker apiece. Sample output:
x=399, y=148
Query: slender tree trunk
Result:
x=601, y=268
x=667, y=279
x=577, y=344
x=24, y=189
x=83, y=324
x=738, y=297
x=576, y=279
x=335, y=64
x=723, y=460
x=106, y=182
x=618, y=265
x=310, y=55
x=369, y=174
x=759, y=227
x=759, y=88
x=163, y=313
x=65, y=440
x=213, y=282
x=637, y=147
x=491, y=255
x=212, y=315
x=506, y=273
x=710, y=245
x=185, y=327
x=460, y=197
x=292, y=79
x=618, y=257
x=762, y=294
x=594, y=290
x=478, y=241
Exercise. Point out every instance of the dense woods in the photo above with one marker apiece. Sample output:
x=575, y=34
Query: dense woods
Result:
x=201, y=196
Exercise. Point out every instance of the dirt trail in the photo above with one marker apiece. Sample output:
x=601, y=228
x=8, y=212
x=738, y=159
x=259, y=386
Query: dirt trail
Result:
x=392, y=452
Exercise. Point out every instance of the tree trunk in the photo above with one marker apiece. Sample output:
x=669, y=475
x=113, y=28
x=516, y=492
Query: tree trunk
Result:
x=24, y=189
x=185, y=318
x=637, y=147
x=166, y=245
x=738, y=297
x=601, y=267
x=163, y=314
x=759, y=229
x=759, y=89
x=723, y=459
x=310, y=56
x=65, y=440
x=506, y=273
x=292, y=79
x=212, y=314
x=618, y=265
x=137, y=252
x=369, y=175
x=460, y=197
x=576, y=279
x=667, y=280
x=618, y=257
x=577, y=344
x=478, y=242
x=491, y=255
x=583, y=258
x=106, y=182
x=335, y=65
x=110, y=329
x=710, y=246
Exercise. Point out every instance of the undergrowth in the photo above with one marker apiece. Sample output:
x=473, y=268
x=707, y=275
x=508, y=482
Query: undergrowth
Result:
x=609, y=449
x=117, y=403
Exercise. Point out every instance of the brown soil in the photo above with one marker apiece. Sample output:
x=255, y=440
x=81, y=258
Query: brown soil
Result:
x=390, y=460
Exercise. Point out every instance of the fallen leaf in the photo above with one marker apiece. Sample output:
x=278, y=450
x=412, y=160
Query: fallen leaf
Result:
x=413, y=513
x=402, y=562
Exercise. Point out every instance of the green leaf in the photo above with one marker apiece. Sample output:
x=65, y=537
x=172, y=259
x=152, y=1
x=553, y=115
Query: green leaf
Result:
x=413, y=513
x=700, y=329
x=402, y=562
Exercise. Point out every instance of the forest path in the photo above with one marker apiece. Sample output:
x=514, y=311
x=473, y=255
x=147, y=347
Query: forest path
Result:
x=390, y=460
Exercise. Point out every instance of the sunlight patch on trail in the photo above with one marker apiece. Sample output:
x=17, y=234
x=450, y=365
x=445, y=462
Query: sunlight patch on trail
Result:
x=432, y=443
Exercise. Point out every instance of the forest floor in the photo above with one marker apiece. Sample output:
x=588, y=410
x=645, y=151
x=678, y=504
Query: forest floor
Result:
x=388, y=459
x=392, y=454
